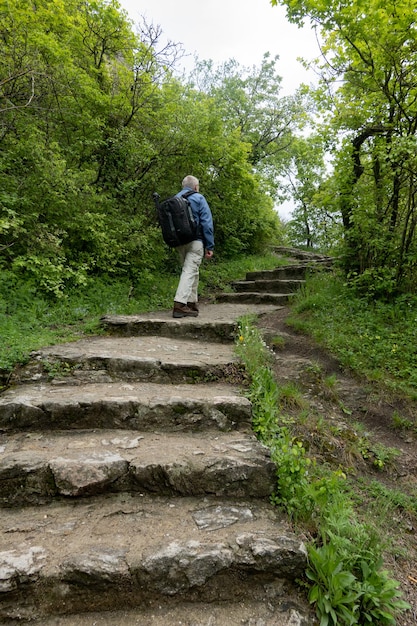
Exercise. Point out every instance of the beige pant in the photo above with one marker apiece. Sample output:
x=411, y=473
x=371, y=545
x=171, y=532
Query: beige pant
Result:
x=191, y=256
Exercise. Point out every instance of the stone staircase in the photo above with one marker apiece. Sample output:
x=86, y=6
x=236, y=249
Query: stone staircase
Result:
x=278, y=285
x=132, y=488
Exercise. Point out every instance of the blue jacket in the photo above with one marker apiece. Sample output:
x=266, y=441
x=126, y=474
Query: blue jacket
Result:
x=202, y=216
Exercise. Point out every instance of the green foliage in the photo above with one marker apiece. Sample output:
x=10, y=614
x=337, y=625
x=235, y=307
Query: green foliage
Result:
x=366, y=101
x=29, y=319
x=250, y=102
x=299, y=488
x=315, y=221
x=293, y=476
x=346, y=581
x=290, y=396
x=263, y=391
x=373, y=338
x=349, y=585
x=403, y=423
x=93, y=122
x=369, y=596
x=388, y=501
x=333, y=587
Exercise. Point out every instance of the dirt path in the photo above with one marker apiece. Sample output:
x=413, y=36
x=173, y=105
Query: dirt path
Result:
x=344, y=413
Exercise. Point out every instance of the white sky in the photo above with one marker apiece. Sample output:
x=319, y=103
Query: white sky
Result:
x=225, y=29
x=241, y=29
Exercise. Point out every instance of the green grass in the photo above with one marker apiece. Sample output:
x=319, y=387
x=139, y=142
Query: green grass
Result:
x=345, y=578
x=387, y=501
x=30, y=320
x=374, y=339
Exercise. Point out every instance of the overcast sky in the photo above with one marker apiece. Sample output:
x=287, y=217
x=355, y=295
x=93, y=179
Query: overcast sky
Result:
x=241, y=29
x=225, y=29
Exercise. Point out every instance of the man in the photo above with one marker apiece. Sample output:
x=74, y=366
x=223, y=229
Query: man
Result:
x=191, y=254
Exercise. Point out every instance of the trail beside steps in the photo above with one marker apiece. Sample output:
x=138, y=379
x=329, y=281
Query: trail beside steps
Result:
x=133, y=490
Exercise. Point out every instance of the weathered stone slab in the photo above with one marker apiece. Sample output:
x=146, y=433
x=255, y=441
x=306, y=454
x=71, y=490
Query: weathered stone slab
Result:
x=287, y=272
x=304, y=256
x=130, y=497
x=131, y=405
x=149, y=359
x=269, y=610
x=215, y=323
x=277, y=286
x=131, y=551
x=255, y=298
x=33, y=469
x=20, y=566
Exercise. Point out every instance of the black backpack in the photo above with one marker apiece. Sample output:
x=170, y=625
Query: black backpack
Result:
x=176, y=219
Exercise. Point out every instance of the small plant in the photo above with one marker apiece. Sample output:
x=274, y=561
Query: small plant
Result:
x=332, y=590
x=315, y=369
x=346, y=582
x=368, y=596
x=380, y=598
x=290, y=396
x=277, y=342
x=293, y=466
x=383, y=455
x=402, y=423
x=349, y=585
x=58, y=369
x=331, y=381
x=344, y=408
x=380, y=456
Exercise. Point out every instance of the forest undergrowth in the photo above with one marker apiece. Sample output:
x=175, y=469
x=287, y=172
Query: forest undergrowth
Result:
x=30, y=319
x=333, y=390
x=336, y=418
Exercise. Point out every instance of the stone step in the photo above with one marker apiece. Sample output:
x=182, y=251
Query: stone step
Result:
x=151, y=358
x=134, y=406
x=125, y=551
x=35, y=468
x=266, y=609
x=304, y=256
x=268, y=286
x=297, y=271
x=285, y=272
x=255, y=298
x=215, y=322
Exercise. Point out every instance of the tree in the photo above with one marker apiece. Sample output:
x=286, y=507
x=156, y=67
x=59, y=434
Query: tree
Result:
x=192, y=137
x=369, y=72
x=60, y=54
x=92, y=121
x=314, y=221
x=250, y=102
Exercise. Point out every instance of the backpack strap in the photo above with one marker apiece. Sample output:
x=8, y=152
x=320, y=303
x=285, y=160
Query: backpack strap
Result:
x=187, y=194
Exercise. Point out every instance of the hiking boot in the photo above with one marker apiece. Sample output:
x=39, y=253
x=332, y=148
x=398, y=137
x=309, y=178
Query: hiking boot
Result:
x=193, y=306
x=182, y=310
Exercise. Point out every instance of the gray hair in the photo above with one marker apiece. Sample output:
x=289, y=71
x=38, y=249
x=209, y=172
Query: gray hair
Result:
x=190, y=181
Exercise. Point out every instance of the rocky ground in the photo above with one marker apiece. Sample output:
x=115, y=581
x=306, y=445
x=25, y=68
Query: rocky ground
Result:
x=339, y=415
x=77, y=453
x=133, y=490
